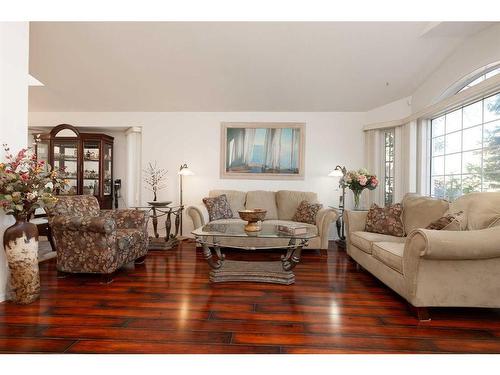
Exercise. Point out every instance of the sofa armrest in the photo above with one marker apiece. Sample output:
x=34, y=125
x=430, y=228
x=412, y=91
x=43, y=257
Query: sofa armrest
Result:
x=455, y=245
x=199, y=215
x=354, y=221
x=324, y=218
x=127, y=218
x=96, y=224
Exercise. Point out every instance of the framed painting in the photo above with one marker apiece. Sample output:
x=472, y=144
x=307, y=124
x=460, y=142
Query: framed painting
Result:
x=262, y=150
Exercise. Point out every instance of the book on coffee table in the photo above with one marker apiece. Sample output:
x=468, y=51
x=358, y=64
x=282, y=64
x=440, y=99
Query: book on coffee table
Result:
x=292, y=229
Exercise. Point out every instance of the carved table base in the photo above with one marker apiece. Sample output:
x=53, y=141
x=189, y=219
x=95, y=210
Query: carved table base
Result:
x=161, y=244
x=277, y=272
x=263, y=272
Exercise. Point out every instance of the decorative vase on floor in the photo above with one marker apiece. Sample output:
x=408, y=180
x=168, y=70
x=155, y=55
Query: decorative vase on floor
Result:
x=21, y=248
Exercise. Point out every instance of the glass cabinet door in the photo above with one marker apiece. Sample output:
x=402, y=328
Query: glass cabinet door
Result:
x=91, y=167
x=42, y=153
x=108, y=169
x=66, y=159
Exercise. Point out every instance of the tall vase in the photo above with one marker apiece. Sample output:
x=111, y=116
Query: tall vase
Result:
x=357, y=196
x=21, y=249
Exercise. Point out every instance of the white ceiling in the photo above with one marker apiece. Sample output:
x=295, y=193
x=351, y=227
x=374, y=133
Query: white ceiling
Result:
x=195, y=66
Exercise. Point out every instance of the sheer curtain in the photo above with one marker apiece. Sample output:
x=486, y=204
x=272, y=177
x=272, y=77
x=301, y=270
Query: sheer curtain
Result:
x=406, y=160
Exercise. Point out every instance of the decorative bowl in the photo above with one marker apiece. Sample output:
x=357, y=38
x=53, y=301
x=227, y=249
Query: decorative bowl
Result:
x=253, y=217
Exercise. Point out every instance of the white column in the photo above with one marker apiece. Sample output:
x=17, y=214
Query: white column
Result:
x=132, y=191
x=14, y=54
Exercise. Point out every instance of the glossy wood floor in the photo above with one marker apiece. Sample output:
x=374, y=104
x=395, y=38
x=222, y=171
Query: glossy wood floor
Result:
x=168, y=306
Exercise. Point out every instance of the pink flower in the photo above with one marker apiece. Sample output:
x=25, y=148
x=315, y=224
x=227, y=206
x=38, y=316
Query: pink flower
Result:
x=362, y=180
x=374, y=182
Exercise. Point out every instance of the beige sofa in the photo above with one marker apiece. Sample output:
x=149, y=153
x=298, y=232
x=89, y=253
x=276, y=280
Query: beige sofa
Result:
x=280, y=206
x=435, y=267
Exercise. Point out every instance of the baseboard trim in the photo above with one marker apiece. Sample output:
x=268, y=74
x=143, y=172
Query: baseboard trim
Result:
x=3, y=297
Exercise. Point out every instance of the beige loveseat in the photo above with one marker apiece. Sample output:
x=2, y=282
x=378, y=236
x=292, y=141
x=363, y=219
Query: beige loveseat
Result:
x=280, y=206
x=435, y=267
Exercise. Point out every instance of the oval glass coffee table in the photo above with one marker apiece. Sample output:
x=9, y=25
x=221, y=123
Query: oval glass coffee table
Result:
x=211, y=237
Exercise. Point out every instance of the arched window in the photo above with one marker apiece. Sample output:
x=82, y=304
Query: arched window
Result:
x=487, y=73
x=465, y=146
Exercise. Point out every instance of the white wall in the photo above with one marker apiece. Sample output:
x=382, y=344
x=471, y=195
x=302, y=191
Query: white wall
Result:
x=391, y=111
x=173, y=138
x=14, y=44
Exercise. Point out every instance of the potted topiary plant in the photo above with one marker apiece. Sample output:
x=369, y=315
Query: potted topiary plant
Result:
x=25, y=185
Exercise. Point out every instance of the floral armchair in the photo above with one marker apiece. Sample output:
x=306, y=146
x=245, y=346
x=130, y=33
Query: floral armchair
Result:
x=90, y=240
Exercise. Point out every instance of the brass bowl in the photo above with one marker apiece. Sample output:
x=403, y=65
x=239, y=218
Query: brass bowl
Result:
x=253, y=217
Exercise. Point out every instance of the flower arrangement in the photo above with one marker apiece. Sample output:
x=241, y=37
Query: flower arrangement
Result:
x=26, y=184
x=357, y=181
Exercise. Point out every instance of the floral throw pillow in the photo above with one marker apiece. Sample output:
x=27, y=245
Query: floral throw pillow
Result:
x=218, y=208
x=306, y=212
x=448, y=222
x=385, y=220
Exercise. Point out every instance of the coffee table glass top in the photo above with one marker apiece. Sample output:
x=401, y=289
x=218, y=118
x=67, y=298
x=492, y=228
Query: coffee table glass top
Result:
x=238, y=230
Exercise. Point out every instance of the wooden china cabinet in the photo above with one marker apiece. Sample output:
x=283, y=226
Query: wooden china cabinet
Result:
x=87, y=159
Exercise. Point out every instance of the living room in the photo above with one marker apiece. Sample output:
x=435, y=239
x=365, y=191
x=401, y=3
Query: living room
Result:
x=250, y=187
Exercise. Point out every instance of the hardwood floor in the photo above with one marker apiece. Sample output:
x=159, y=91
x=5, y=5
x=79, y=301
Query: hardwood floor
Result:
x=168, y=306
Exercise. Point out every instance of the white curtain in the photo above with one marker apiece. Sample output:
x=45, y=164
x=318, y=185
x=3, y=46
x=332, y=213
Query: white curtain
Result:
x=249, y=139
x=374, y=157
x=407, y=158
x=294, y=158
x=273, y=149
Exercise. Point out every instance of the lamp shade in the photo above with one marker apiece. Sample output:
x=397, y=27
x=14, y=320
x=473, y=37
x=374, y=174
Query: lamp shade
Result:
x=335, y=173
x=185, y=171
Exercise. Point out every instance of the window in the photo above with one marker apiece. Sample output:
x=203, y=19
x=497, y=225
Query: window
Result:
x=481, y=78
x=388, y=166
x=465, y=150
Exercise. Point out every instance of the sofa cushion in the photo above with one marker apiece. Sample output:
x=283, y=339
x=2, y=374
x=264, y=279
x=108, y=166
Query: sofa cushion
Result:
x=482, y=209
x=235, y=198
x=263, y=199
x=306, y=212
x=218, y=208
x=229, y=221
x=364, y=240
x=385, y=220
x=447, y=222
x=389, y=253
x=288, y=201
x=420, y=211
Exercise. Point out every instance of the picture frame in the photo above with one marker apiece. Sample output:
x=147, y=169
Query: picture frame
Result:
x=263, y=150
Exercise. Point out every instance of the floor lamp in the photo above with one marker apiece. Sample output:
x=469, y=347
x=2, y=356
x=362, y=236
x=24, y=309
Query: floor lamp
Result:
x=183, y=171
x=340, y=172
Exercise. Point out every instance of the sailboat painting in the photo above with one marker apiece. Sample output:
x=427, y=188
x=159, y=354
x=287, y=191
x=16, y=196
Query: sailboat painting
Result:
x=263, y=150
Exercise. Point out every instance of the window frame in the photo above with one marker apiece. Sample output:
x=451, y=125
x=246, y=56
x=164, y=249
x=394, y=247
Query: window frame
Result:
x=386, y=162
x=481, y=149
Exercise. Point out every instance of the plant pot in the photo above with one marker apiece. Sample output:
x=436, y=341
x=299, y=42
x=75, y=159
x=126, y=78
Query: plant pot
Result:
x=21, y=249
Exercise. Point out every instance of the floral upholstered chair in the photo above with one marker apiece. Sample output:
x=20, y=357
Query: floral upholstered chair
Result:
x=90, y=240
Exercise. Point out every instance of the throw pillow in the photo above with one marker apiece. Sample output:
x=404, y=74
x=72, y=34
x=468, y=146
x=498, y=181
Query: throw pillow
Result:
x=306, y=212
x=448, y=222
x=385, y=220
x=218, y=208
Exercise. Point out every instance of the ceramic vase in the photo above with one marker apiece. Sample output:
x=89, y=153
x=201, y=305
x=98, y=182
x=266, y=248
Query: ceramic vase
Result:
x=21, y=249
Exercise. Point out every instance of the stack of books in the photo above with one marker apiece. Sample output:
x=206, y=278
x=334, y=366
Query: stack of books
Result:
x=294, y=229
